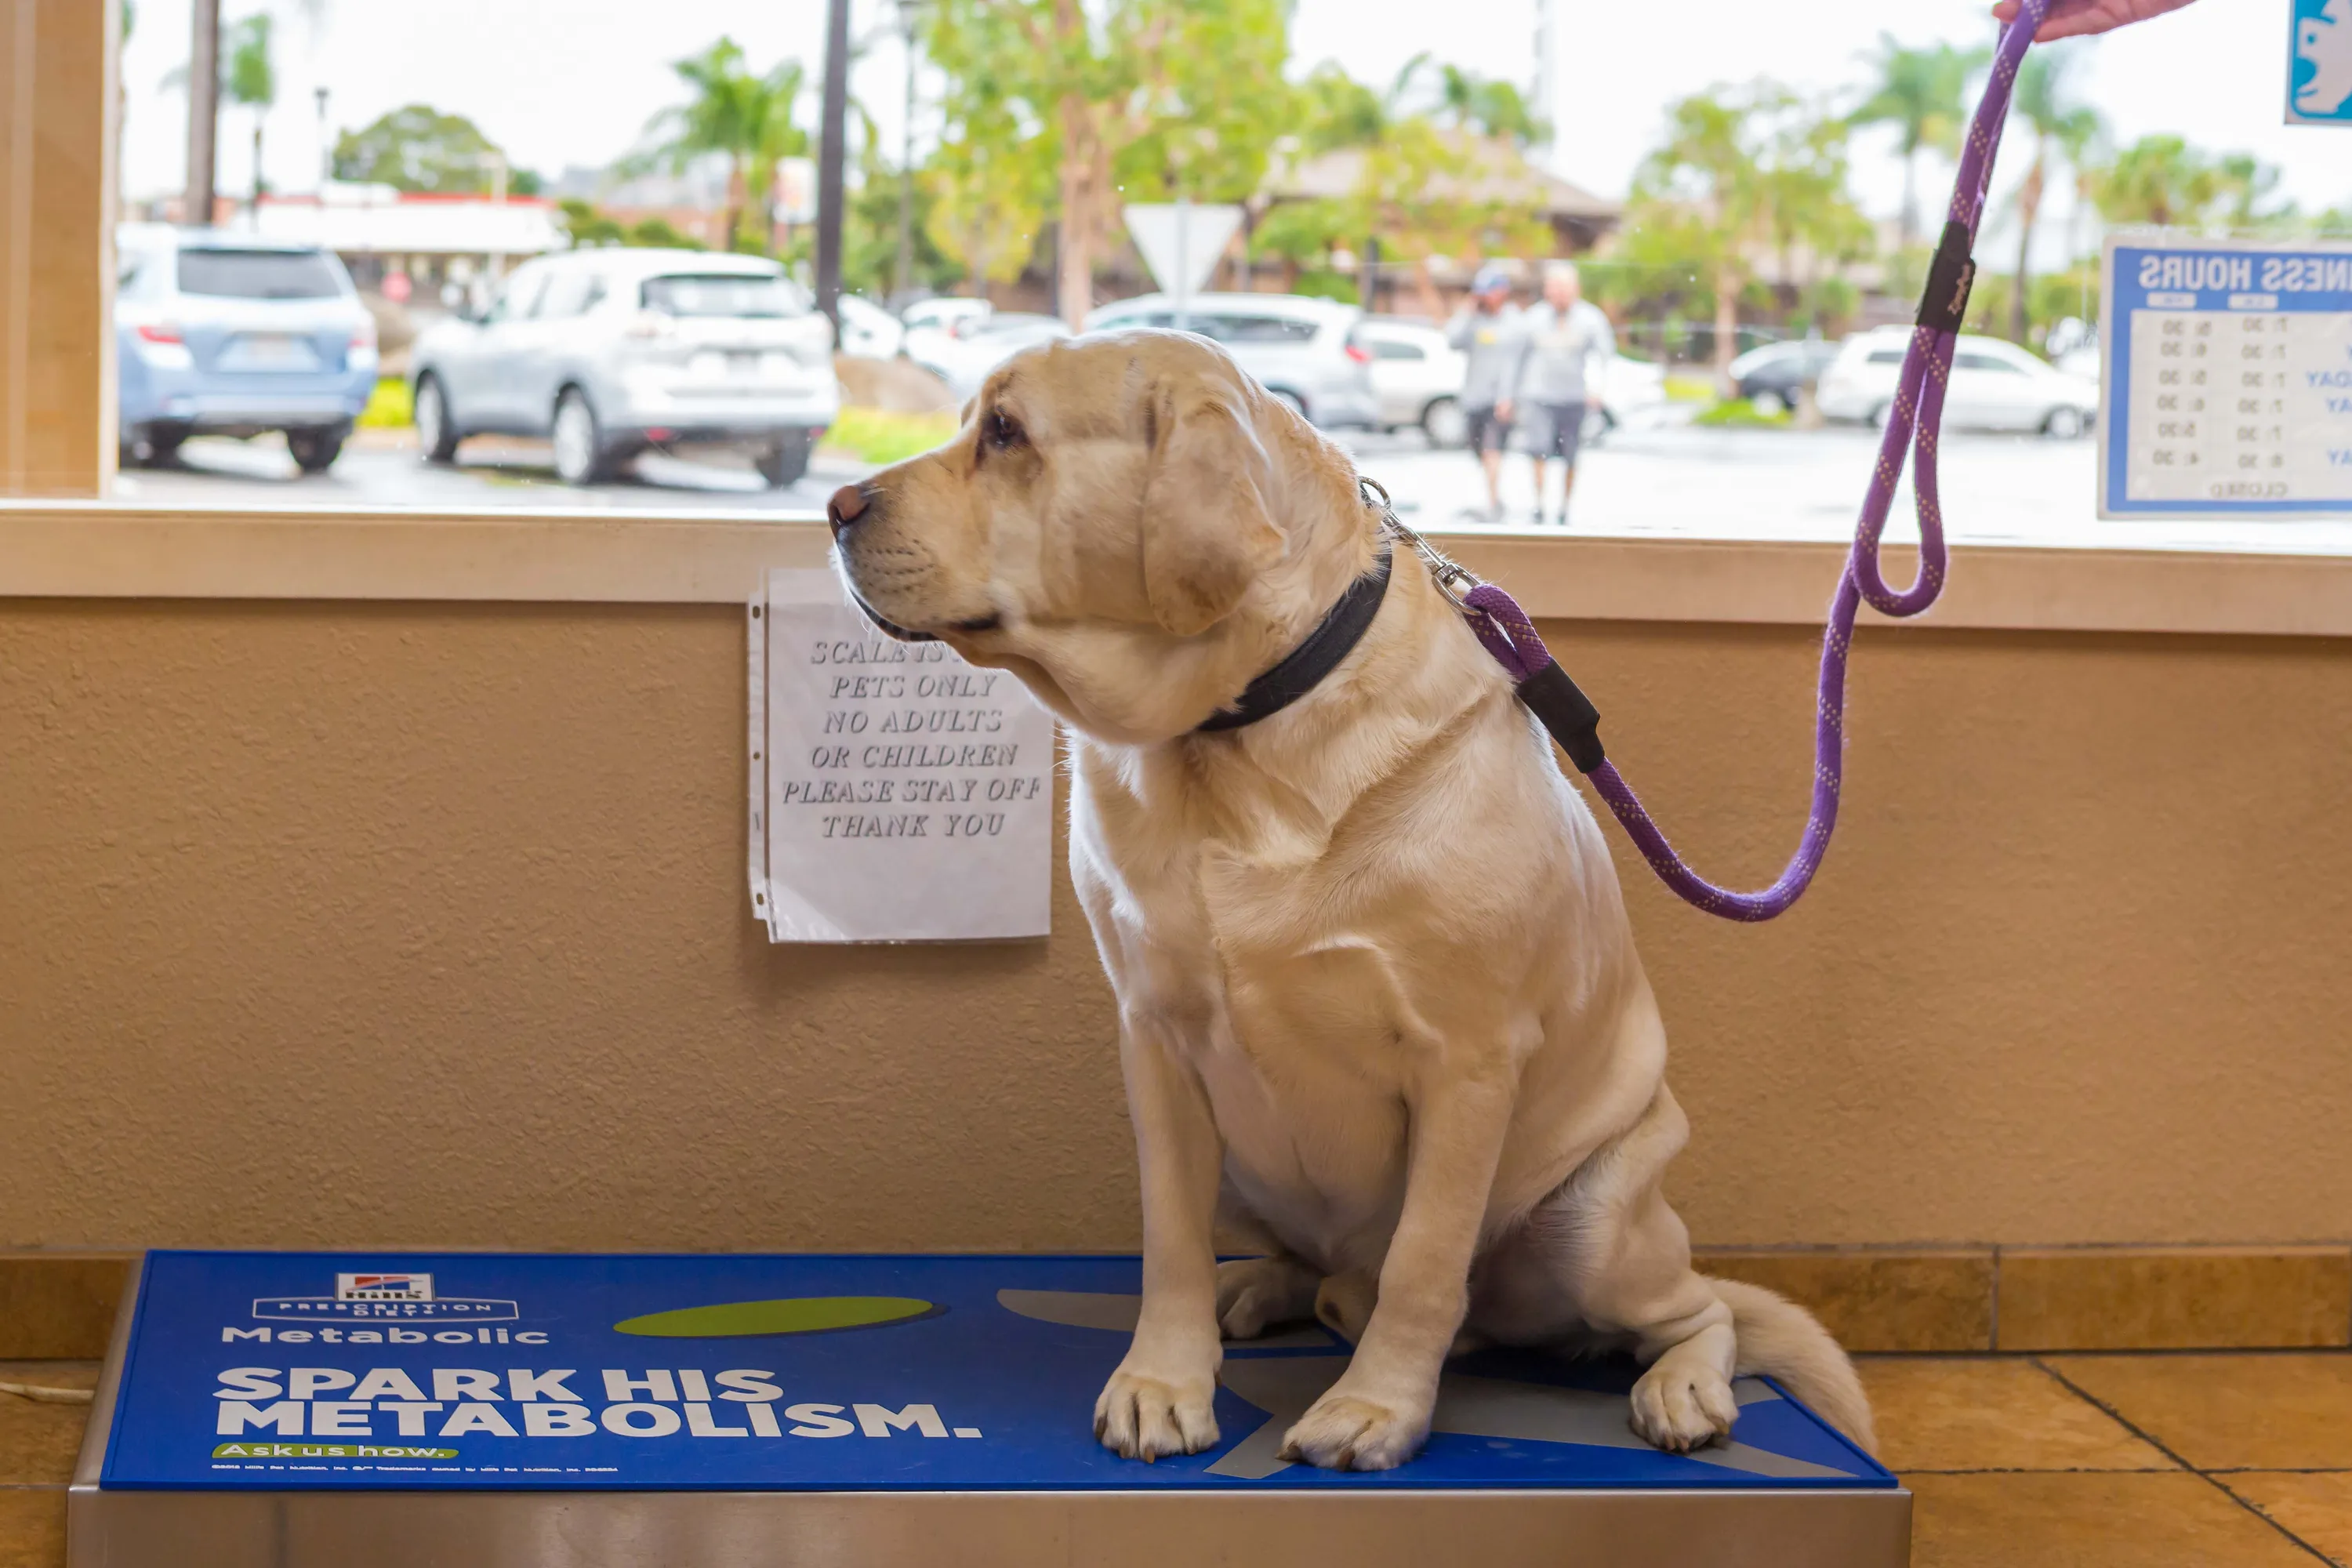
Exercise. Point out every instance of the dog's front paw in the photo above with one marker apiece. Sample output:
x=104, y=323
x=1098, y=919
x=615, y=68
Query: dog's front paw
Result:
x=1341, y=1431
x=1679, y=1406
x=1142, y=1417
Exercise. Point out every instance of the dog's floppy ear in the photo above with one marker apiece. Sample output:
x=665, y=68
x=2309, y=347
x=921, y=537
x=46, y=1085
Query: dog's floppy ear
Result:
x=1206, y=530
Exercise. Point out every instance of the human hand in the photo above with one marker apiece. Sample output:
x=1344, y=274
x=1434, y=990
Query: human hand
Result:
x=2072, y=19
x=1503, y=411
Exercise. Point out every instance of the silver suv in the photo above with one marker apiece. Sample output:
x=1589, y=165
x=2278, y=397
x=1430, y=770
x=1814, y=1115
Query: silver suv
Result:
x=1301, y=349
x=227, y=334
x=610, y=352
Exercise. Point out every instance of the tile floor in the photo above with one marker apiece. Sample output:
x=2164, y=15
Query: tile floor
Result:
x=2144, y=1460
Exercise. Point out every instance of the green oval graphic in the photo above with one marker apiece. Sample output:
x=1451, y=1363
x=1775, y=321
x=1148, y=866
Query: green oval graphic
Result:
x=794, y=1315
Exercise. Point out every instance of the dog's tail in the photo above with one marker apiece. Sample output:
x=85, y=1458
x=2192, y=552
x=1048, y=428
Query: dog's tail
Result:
x=1778, y=1337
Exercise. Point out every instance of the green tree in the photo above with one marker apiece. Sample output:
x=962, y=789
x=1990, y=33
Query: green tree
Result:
x=1332, y=113
x=2246, y=182
x=1423, y=188
x=1489, y=106
x=249, y=77
x=1921, y=93
x=741, y=115
x=1428, y=190
x=1168, y=97
x=418, y=148
x=586, y=225
x=1333, y=109
x=2058, y=123
x=1743, y=175
x=869, y=238
x=990, y=183
x=2163, y=181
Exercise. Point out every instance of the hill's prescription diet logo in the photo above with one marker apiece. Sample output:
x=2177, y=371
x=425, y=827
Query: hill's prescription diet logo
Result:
x=377, y=1298
x=384, y=1287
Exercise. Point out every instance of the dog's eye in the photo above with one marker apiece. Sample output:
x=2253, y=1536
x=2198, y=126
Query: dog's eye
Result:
x=1001, y=431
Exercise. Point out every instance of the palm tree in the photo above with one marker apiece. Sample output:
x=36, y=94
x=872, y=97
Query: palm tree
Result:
x=1487, y=105
x=2245, y=181
x=2042, y=102
x=744, y=117
x=2159, y=180
x=249, y=77
x=1921, y=93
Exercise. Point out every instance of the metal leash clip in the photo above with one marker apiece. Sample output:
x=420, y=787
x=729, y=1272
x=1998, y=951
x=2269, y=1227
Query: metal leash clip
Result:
x=1453, y=580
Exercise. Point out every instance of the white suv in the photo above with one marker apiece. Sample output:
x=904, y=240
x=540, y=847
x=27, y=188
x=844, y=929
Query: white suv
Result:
x=1995, y=385
x=609, y=352
x=1303, y=350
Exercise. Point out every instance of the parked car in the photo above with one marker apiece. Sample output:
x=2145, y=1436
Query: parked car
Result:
x=869, y=332
x=1417, y=376
x=941, y=311
x=227, y=334
x=1632, y=392
x=1303, y=350
x=1770, y=377
x=610, y=352
x=964, y=352
x=1995, y=385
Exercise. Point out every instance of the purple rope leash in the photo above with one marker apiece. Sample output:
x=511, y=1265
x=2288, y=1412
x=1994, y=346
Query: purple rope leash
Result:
x=1510, y=636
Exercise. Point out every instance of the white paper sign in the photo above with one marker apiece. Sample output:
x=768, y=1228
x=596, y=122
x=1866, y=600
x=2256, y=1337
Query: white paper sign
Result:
x=898, y=794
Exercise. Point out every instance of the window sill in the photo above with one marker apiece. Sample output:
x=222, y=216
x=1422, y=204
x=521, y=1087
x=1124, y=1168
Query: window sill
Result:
x=102, y=551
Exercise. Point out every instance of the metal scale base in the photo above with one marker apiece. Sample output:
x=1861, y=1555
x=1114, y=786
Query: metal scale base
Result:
x=471, y=1410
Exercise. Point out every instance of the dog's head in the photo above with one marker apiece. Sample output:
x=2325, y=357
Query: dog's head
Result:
x=1118, y=522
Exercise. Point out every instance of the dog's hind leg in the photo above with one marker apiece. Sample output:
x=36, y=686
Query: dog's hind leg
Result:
x=1254, y=1293
x=1344, y=1303
x=1604, y=1254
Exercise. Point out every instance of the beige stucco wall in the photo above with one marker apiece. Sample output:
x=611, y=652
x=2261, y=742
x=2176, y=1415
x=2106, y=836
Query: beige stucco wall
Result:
x=372, y=924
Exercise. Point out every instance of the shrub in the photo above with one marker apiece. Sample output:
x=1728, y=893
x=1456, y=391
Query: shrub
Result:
x=1739, y=414
x=880, y=436
x=389, y=406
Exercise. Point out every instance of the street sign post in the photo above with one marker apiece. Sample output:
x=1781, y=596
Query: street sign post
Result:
x=2226, y=378
x=471, y=1409
x=1180, y=243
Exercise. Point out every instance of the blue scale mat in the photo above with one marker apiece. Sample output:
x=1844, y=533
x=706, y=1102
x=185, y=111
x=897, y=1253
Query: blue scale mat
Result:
x=275, y=1371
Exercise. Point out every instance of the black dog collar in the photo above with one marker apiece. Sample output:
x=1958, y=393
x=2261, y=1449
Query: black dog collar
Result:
x=1304, y=666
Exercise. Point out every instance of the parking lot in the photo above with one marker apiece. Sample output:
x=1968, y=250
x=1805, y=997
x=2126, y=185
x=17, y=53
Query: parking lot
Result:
x=1667, y=479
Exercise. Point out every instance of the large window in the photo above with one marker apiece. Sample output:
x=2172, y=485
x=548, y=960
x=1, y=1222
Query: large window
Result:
x=459, y=256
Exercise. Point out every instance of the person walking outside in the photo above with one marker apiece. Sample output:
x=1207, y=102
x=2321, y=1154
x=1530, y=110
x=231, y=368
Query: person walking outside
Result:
x=1566, y=346
x=1487, y=329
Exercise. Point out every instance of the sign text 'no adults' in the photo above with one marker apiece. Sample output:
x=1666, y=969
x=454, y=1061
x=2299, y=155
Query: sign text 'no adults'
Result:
x=897, y=793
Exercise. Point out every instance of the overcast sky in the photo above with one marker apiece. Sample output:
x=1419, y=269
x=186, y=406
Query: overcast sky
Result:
x=575, y=82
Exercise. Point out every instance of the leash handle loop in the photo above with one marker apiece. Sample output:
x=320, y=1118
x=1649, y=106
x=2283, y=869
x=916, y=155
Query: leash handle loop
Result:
x=1913, y=421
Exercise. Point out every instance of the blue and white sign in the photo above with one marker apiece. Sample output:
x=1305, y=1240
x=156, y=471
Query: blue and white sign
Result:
x=2226, y=376
x=2319, y=63
x=864, y=1372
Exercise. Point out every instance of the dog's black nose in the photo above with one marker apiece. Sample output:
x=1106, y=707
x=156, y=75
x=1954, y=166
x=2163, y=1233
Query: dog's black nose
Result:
x=848, y=505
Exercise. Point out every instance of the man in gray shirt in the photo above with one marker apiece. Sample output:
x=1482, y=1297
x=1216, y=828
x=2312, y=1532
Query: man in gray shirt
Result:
x=1566, y=344
x=1487, y=330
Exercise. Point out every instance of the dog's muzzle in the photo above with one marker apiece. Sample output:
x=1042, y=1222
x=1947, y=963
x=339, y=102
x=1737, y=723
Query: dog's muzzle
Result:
x=841, y=510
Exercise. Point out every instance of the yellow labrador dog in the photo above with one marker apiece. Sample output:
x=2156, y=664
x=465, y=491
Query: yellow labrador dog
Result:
x=1380, y=1007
